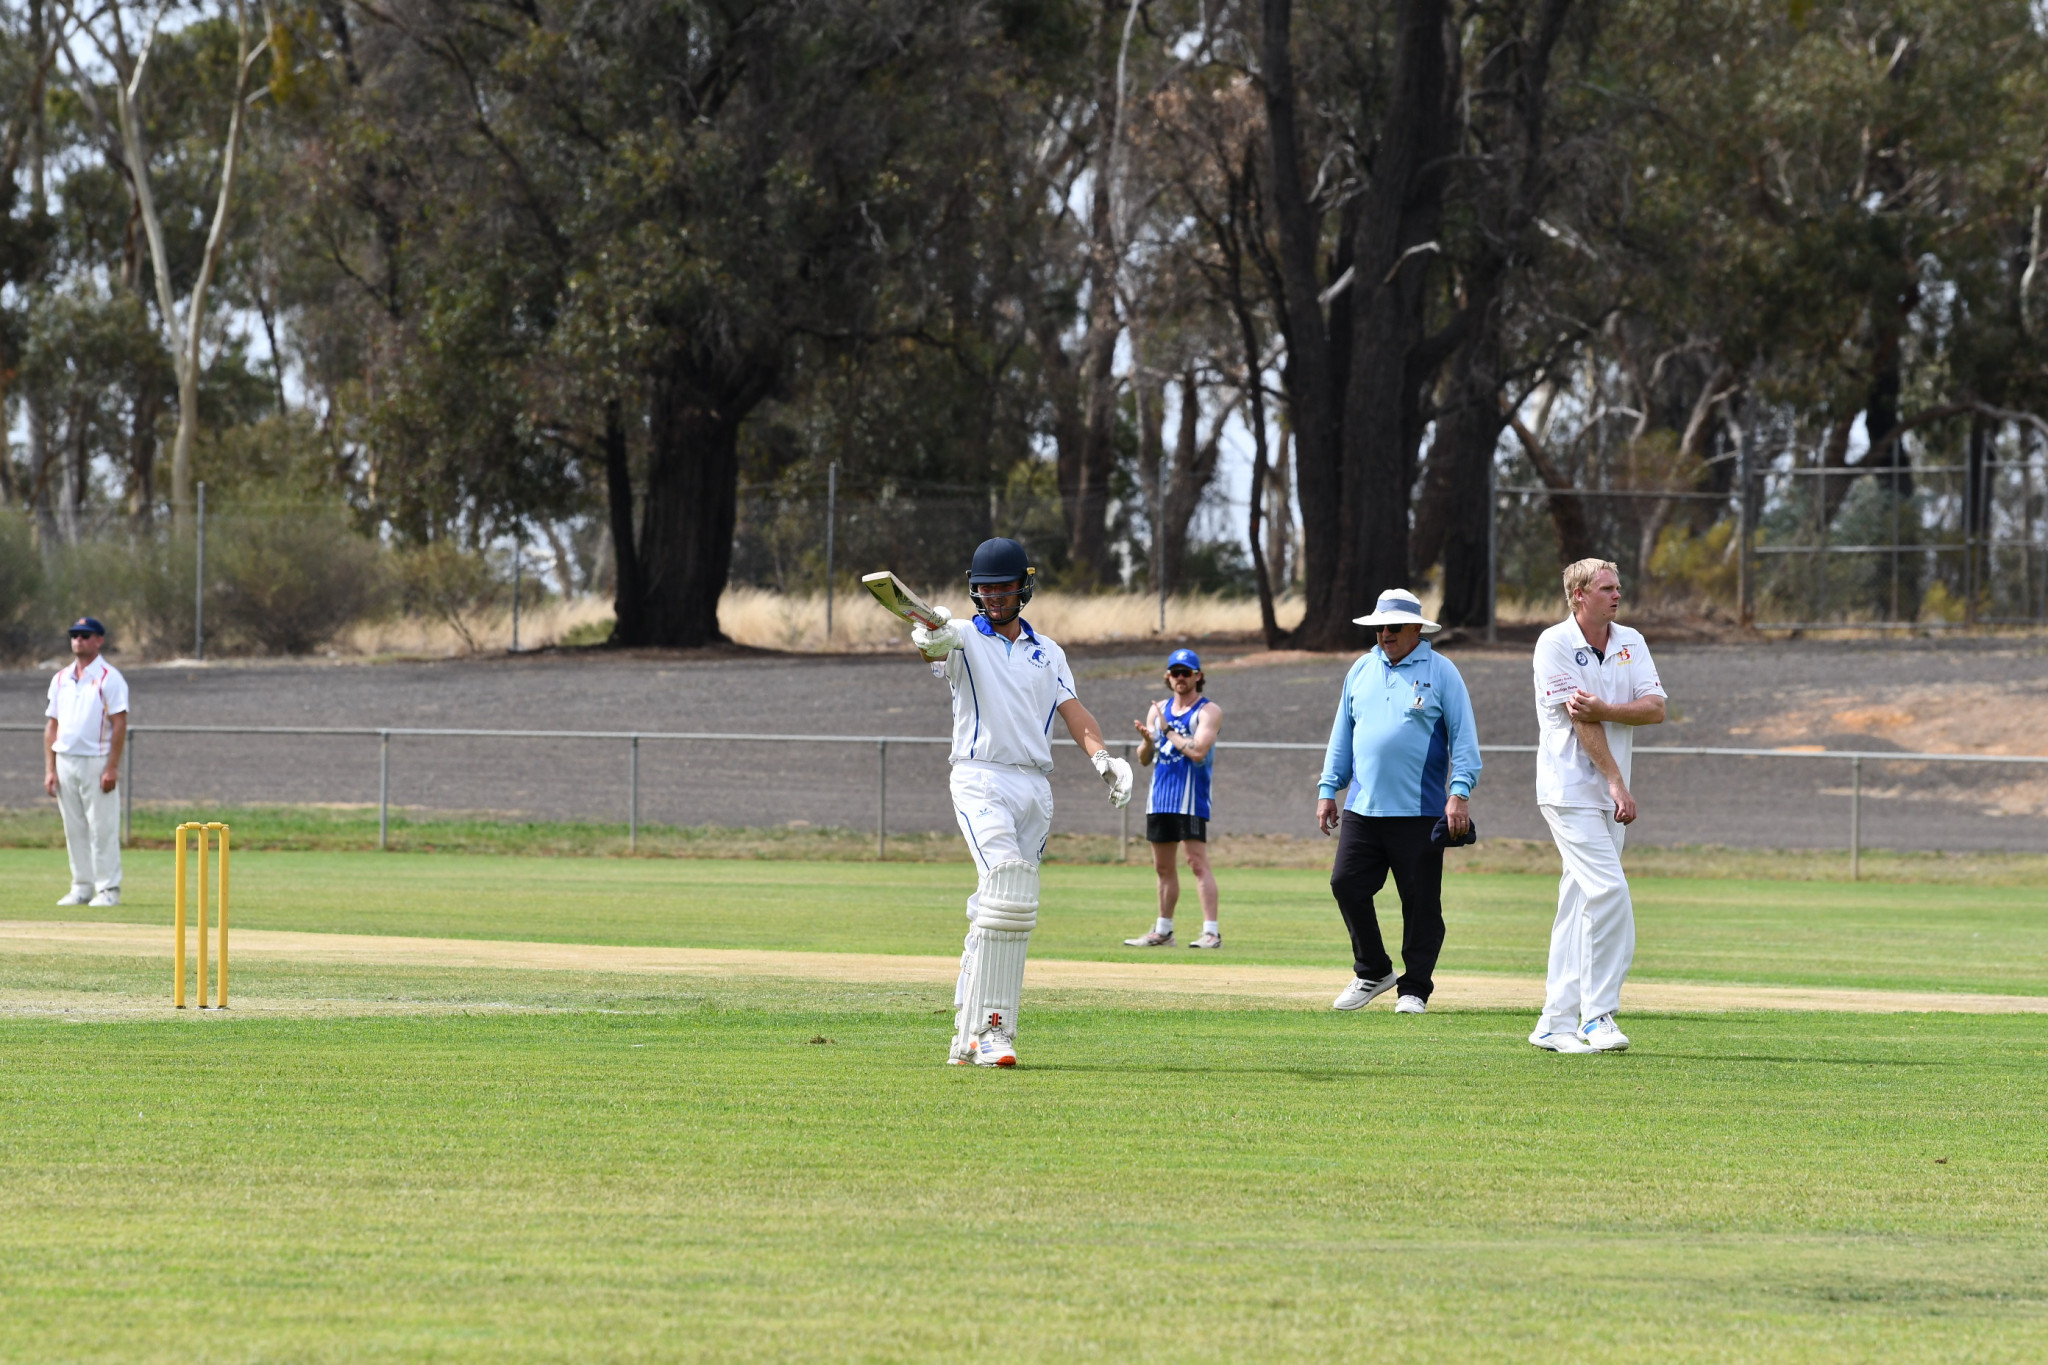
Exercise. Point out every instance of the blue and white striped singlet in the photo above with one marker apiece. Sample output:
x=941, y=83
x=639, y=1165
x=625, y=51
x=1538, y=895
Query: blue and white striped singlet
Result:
x=1179, y=785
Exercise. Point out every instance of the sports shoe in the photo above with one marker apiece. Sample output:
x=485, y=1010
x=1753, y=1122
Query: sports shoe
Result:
x=995, y=1049
x=1208, y=941
x=1560, y=1042
x=75, y=898
x=1155, y=939
x=106, y=898
x=1411, y=1004
x=1362, y=992
x=1601, y=1035
x=960, y=1054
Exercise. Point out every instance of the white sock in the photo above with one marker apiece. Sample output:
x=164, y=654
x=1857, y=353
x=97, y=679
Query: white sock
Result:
x=1165, y=926
x=1209, y=927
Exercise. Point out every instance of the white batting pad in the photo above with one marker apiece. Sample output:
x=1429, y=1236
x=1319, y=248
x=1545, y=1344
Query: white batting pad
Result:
x=1008, y=898
x=994, y=972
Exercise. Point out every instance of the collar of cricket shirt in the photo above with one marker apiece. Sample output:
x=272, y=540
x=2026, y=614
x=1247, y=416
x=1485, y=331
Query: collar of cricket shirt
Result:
x=981, y=624
x=1421, y=651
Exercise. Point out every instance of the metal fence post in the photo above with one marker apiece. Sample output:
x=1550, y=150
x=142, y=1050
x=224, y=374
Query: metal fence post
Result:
x=1855, y=819
x=881, y=798
x=127, y=787
x=383, y=789
x=633, y=799
x=517, y=584
x=1123, y=837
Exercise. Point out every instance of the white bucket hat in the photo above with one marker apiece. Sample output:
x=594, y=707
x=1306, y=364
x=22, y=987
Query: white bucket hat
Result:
x=1398, y=607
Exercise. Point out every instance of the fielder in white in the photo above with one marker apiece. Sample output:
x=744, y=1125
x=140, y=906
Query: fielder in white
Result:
x=1595, y=682
x=83, y=736
x=1008, y=683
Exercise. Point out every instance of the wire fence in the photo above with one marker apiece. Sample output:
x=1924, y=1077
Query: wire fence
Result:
x=1791, y=542
x=631, y=743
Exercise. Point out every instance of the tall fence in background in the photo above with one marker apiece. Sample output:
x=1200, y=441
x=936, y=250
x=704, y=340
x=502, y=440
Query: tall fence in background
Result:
x=631, y=742
x=1794, y=543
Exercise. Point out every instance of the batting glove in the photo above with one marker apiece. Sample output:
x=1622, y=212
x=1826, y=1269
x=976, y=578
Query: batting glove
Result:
x=939, y=641
x=1117, y=774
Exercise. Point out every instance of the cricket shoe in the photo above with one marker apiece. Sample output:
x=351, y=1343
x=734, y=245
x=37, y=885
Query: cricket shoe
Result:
x=1155, y=939
x=1208, y=941
x=995, y=1049
x=76, y=898
x=1601, y=1035
x=1560, y=1042
x=1411, y=1004
x=1362, y=992
x=106, y=898
x=960, y=1054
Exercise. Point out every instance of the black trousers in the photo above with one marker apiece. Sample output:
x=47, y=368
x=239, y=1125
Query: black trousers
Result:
x=1369, y=847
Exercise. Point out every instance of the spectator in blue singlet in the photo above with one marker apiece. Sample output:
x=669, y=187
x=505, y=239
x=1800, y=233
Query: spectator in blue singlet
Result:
x=1181, y=732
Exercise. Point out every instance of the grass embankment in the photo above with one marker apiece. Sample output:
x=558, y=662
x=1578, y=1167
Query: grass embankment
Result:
x=1813, y=934
x=705, y=1177
x=349, y=828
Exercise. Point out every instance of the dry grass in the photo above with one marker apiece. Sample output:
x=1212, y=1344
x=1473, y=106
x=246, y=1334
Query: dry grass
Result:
x=430, y=637
x=771, y=620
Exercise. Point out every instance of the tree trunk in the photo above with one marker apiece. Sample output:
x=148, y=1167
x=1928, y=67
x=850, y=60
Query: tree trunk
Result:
x=1312, y=394
x=1356, y=443
x=691, y=507
x=1451, y=522
x=618, y=489
x=1391, y=250
x=148, y=403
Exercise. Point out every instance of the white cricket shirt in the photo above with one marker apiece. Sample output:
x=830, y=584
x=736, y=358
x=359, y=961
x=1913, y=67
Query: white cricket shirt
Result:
x=1005, y=695
x=1565, y=663
x=84, y=707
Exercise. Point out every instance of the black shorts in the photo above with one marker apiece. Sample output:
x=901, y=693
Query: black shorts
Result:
x=1174, y=829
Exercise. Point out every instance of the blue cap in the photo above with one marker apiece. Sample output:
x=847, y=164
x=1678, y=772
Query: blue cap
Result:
x=87, y=625
x=1184, y=658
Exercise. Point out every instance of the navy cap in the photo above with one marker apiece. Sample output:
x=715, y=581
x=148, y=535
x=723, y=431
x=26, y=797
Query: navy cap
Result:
x=1184, y=658
x=87, y=625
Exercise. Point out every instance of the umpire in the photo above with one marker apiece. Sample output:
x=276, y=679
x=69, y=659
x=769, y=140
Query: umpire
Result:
x=1404, y=745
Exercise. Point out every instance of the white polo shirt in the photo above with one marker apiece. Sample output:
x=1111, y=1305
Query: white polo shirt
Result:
x=84, y=705
x=1565, y=663
x=1005, y=695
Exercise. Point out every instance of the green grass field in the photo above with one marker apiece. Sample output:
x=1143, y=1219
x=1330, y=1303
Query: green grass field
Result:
x=1891, y=935
x=545, y=1166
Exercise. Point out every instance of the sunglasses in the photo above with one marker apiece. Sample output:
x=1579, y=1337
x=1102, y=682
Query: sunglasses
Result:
x=1391, y=630
x=1180, y=672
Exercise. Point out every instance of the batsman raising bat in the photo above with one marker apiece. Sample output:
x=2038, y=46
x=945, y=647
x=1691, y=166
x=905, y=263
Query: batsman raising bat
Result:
x=1007, y=683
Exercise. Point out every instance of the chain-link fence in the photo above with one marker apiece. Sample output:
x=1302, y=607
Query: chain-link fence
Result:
x=1798, y=543
x=1770, y=798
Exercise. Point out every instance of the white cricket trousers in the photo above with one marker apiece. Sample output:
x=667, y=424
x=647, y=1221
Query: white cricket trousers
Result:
x=1005, y=812
x=1594, y=939
x=92, y=824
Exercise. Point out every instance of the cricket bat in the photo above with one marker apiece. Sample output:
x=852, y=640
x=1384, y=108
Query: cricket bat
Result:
x=890, y=591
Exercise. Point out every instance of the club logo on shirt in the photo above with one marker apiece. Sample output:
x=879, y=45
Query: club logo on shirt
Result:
x=1582, y=658
x=1622, y=657
x=1037, y=656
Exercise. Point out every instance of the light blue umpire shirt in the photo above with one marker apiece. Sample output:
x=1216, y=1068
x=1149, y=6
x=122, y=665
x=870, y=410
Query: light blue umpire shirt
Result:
x=1403, y=740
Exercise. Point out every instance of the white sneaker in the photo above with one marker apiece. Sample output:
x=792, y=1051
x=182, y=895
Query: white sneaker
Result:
x=960, y=1054
x=1411, y=1004
x=995, y=1049
x=106, y=898
x=1208, y=940
x=75, y=898
x=1560, y=1042
x=1601, y=1035
x=1362, y=992
x=1153, y=939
